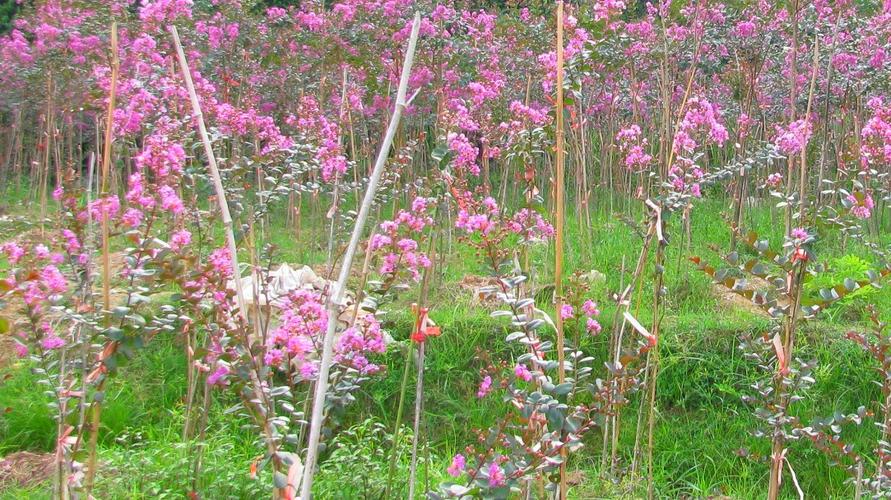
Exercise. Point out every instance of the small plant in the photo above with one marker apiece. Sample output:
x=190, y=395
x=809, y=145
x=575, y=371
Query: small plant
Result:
x=784, y=378
x=357, y=462
x=839, y=269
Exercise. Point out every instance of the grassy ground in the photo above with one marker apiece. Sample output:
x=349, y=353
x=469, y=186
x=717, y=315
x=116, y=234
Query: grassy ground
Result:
x=702, y=421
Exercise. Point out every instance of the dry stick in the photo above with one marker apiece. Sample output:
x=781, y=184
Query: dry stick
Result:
x=419, y=401
x=419, y=386
x=88, y=298
x=558, y=261
x=881, y=466
x=336, y=296
x=795, y=290
x=43, y=178
x=363, y=279
x=88, y=294
x=612, y=340
x=743, y=183
x=657, y=320
x=824, y=144
x=793, y=82
x=332, y=212
x=652, y=355
x=802, y=181
x=106, y=263
x=637, y=282
x=214, y=171
x=397, y=426
x=202, y=434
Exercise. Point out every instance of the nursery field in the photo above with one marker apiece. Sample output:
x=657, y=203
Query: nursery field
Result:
x=445, y=249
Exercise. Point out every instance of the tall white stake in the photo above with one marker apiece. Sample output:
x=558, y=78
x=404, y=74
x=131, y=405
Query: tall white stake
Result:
x=336, y=296
x=214, y=171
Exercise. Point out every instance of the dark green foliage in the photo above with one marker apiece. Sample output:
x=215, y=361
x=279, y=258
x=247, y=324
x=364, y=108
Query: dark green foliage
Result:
x=8, y=9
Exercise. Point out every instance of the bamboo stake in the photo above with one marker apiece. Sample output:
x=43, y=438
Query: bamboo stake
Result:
x=419, y=385
x=776, y=475
x=106, y=262
x=106, y=165
x=214, y=172
x=559, y=201
x=336, y=296
x=43, y=173
x=397, y=426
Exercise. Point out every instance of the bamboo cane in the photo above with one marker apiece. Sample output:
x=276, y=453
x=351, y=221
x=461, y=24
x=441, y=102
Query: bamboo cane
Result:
x=419, y=385
x=337, y=294
x=558, y=264
x=106, y=263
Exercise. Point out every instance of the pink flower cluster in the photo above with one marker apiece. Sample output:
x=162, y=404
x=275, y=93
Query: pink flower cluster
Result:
x=247, y=122
x=304, y=322
x=876, y=135
x=160, y=13
x=604, y=9
x=530, y=225
x=700, y=126
x=793, y=139
x=313, y=124
x=485, y=387
x=40, y=280
x=536, y=114
x=589, y=311
x=465, y=153
x=577, y=40
x=211, y=283
x=482, y=222
x=522, y=372
x=496, y=475
x=100, y=208
x=356, y=343
x=861, y=208
x=633, y=145
x=702, y=118
x=219, y=376
x=397, y=241
x=161, y=156
x=459, y=463
x=484, y=218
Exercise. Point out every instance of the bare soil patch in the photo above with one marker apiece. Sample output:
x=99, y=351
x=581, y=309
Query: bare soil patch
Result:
x=25, y=468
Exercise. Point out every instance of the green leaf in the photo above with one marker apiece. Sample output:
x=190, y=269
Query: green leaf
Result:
x=280, y=480
x=114, y=333
x=563, y=389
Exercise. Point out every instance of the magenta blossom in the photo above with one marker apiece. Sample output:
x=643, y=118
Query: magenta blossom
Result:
x=458, y=465
x=566, y=311
x=496, y=475
x=51, y=342
x=485, y=387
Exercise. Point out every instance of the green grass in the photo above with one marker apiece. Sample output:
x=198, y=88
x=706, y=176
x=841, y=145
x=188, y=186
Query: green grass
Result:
x=702, y=421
